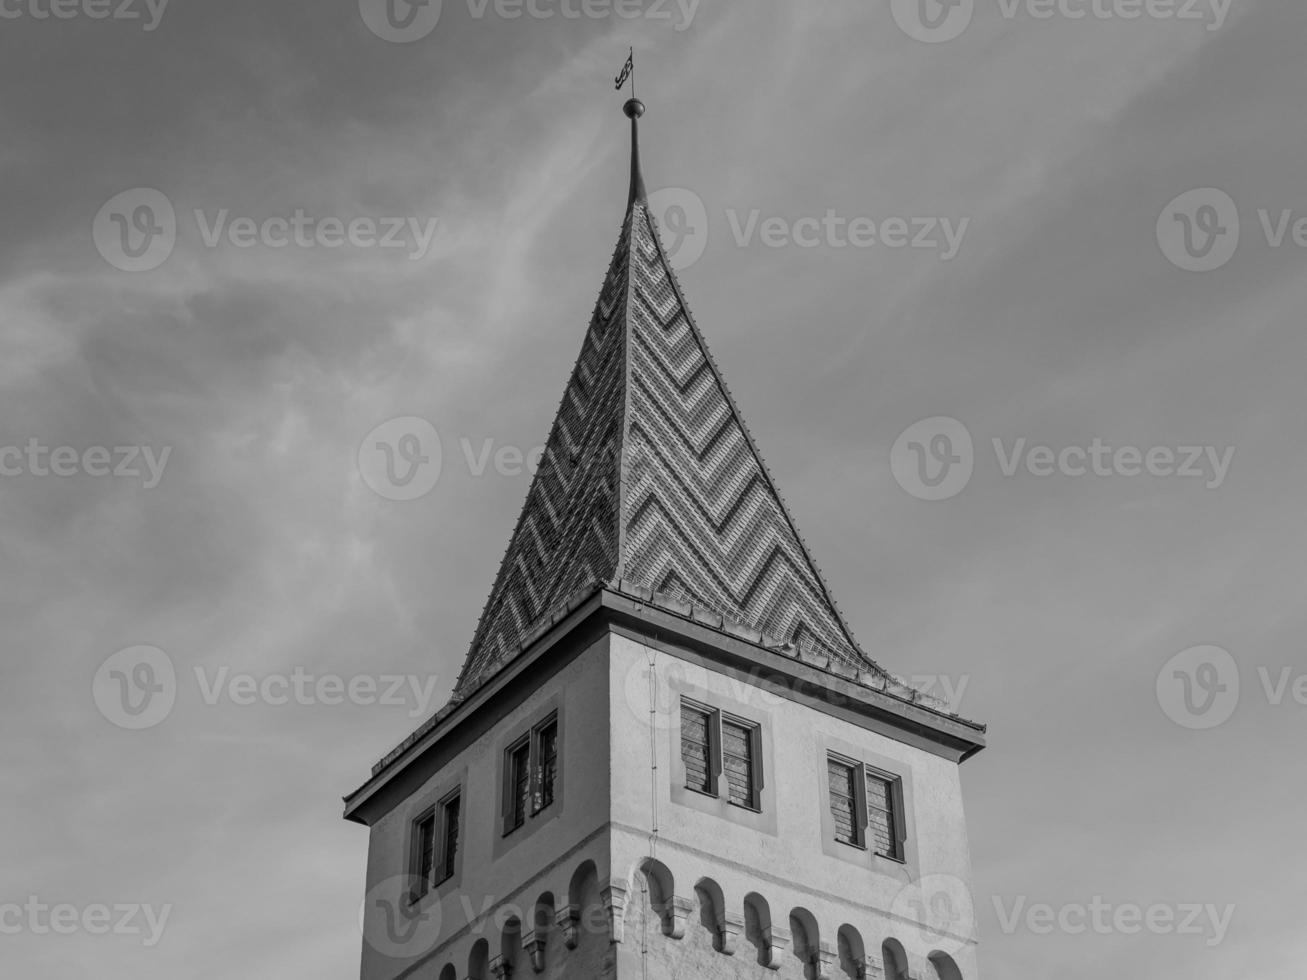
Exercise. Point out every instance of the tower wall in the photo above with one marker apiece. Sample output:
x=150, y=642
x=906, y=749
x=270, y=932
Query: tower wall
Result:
x=501, y=877
x=630, y=875
x=693, y=876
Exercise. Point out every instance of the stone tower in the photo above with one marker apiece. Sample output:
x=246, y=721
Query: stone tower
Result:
x=666, y=756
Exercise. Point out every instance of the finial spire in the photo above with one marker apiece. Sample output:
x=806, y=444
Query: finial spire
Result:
x=634, y=109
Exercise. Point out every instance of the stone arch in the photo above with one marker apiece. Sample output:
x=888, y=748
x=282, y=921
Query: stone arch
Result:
x=510, y=941
x=584, y=912
x=584, y=884
x=449, y=973
x=895, y=960
x=655, y=881
x=659, y=880
x=758, y=926
x=852, y=953
x=712, y=911
x=478, y=961
x=543, y=915
x=807, y=941
x=945, y=966
x=654, y=888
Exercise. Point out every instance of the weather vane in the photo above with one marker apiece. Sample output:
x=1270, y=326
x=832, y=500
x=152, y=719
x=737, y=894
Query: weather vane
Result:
x=628, y=71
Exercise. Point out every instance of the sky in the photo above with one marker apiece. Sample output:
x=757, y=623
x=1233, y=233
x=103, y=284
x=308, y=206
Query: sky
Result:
x=1053, y=467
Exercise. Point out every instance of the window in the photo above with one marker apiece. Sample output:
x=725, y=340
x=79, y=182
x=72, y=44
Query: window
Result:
x=547, y=768
x=719, y=752
x=519, y=783
x=843, y=779
x=881, y=820
x=435, y=844
x=866, y=806
x=696, y=748
x=450, y=811
x=737, y=762
x=424, y=848
x=531, y=774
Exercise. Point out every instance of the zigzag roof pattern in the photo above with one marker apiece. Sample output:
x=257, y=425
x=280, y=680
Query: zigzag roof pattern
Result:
x=650, y=477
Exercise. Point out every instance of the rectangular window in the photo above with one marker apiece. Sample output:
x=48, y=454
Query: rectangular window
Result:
x=424, y=852
x=720, y=752
x=843, y=780
x=449, y=812
x=866, y=807
x=882, y=815
x=696, y=749
x=435, y=845
x=519, y=783
x=531, y=771
x=737, y=762
x=547, y=765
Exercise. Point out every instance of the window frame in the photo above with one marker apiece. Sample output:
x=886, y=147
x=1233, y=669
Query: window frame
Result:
x=423, y=883
x=718, y=782
x=709, y=747
x=538, y=802
x=863, y=771
x=859, y=804
x=512, y=779
x=898, y=823
x=534, y=803
x=444, y=866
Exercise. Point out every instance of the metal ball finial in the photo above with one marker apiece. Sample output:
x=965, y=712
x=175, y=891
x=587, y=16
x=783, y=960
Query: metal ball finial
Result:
x=634, y=109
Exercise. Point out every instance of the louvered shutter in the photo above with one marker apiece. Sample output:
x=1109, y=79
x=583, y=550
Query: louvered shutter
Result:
x=880, y=814
x=695, y=749
x=737, y=762
x=842, y=780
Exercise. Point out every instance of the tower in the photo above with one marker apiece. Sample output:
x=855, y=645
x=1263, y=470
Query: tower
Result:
x=666, y=756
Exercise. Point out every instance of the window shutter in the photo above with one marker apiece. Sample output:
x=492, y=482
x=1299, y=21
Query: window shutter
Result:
x=424, y=846
x=449, y=851
x=842, y=780
x=533, y=774
x=880, y=815
x=547, y=767
x=737, y=763
x=759, y=776
x=521, y=783
x=695, y=747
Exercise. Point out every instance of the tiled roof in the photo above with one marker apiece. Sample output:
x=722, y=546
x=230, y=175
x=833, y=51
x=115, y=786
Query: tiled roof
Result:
x=650, y=478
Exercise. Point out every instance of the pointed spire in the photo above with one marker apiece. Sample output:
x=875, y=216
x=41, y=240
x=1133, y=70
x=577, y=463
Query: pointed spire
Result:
x=634, y=109
x=650, y=480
